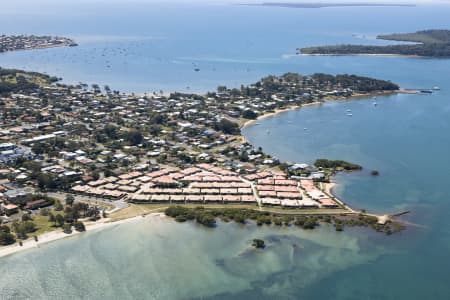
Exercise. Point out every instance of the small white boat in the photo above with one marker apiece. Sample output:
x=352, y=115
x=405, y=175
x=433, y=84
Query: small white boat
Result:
x=349, y=115
x=375, y=104
x=305, y=128
x=436, y=88
x=349, y=110
x=257, y=123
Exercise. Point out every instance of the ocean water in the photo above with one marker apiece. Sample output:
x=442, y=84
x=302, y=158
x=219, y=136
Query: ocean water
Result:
x=157, y=258
x=152, y=47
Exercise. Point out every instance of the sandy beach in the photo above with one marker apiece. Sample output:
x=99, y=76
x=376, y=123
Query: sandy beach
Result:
x=279, y=111
x=59, y=234
x=353, y=97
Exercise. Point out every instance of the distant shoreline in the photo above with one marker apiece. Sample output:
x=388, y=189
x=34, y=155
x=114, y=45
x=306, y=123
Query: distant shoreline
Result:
x=364, y=54
x=432, y=43
x=37, y=48
x=13, y=43
x=326, y=4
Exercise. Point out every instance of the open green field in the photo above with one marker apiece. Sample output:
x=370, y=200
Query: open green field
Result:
x=42, y=224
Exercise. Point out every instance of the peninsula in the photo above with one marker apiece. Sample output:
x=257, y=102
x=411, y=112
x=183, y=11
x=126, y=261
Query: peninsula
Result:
x=31, y=42
x=328, y=4
x=427, y=43
x=76, y=155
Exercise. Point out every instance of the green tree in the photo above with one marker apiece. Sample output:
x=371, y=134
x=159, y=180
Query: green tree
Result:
x=26, y=217
x=206, y=219
x=6, y=238
x=79, y=226
x=4, y=228
x=58, y=206
x=59, y=219
x=249, y=114
x=70, y=199
x=228, y=127
x=46, y=181
x=23, y=228
x=44, y=212
x=134, y=137
x=67, y=228
x=28, y=226
x=51, y=218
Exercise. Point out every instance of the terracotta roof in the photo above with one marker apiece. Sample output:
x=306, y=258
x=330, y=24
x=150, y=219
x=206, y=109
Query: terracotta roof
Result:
x=194, y=198
x=284, y=188
x=10, y=206
x=289, y=195
x=266, y=181
x=231, y=198
x=286, y=182
x=228, y=191
x=266, y=188
x=213, y=198
x=267, y=194
x=245, y=191
x=248, y=199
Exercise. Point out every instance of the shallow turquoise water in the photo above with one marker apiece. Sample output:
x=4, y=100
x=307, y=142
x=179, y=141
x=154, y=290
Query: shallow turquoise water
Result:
x=155, y=258
x=153, y=47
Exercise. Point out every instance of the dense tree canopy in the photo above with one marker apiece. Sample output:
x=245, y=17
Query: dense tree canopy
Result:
x=227, y=126
x=429, y=43
x=334, y=164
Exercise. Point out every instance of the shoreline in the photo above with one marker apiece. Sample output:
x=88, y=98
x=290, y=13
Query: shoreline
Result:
x=367, y=54
x=44, y=47
x=328, y=187
x=57, y=235
x=326, y=99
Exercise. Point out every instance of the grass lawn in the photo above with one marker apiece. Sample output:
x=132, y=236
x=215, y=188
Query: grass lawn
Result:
x=42, y=224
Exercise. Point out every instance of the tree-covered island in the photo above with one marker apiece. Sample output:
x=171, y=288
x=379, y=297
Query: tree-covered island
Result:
x=426, y=43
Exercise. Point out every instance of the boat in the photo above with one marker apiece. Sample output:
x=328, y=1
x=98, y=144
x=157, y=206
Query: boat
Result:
x=305, y=128
x=426, y=91
x=349, y=110
x=436, y=88
x=375, y=104
x=257, y=123
x=349, y=115
x=197, y=69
